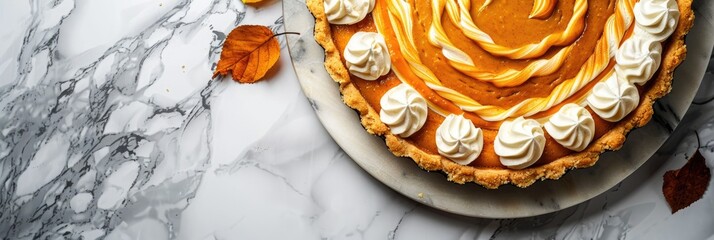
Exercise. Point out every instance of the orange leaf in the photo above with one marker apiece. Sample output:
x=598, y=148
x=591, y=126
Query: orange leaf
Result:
x=248, y=53
x=252, y=1
x=686, y=185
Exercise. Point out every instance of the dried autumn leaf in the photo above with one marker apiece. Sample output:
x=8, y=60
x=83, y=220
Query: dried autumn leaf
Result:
x=686, y=185
x=248, y=53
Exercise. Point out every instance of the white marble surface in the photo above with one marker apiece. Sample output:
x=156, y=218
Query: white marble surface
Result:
x=110, y=128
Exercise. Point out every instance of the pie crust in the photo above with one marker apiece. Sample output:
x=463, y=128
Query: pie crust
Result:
x=674, y=53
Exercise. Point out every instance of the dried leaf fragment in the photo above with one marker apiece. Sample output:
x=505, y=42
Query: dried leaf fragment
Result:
x=686, y=185
x=248, y=53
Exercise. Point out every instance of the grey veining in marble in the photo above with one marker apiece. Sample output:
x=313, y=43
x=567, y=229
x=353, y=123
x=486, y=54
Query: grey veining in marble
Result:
x=101, y=131
x=111, y=128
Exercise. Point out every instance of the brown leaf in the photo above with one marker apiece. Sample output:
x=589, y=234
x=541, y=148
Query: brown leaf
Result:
x=686, y=185
x=248, y=53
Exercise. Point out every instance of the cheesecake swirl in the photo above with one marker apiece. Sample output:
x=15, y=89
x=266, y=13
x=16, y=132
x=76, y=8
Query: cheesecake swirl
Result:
x=459, y=140
x=542, y=9
x=403, y=110
x=519, y=143
x=398, y=22
x=484, y=5
x=437, y=35
x=460, y=15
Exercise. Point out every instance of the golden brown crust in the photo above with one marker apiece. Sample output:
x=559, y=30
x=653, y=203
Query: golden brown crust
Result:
x=661, y=84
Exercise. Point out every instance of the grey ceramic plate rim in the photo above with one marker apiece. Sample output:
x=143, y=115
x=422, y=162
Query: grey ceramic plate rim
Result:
x=432, y=189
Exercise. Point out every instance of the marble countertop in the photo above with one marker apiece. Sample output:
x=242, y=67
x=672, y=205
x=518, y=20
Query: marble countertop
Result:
x=111, y=128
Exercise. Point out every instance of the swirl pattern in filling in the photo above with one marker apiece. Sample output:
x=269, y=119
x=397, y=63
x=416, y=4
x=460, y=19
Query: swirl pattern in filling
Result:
x=542, y=8
x=458, y=11
x=398, y=20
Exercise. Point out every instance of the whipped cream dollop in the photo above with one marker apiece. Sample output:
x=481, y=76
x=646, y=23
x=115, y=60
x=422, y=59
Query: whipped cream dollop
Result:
x=519, y=143
x=367, y=56
x=613, y=99
x=459, y=140
x=638, y=59
x=657, y=19
x=403, y=110
x=347, y=11
x=572, y=126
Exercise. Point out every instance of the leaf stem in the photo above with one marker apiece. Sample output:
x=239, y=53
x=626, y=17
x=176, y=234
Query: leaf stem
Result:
x=283, y=33
x=699, y=143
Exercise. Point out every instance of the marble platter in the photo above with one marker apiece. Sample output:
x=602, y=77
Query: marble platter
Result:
x=432, y=189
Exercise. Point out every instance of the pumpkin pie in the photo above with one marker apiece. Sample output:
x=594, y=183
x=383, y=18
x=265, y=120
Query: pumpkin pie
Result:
x=497, y=92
